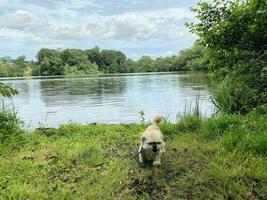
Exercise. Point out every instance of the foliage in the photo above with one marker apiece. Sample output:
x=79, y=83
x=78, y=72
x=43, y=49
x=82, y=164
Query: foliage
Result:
x=76, y=63
x=50, y=62
x=7, y=91
x=92, y=61
x=16, y=67
x=112, y=61
x=164, y=63
x=11, y=134
x=145, y=64
x=10, y=125
x=234, y=33
x=189, y=58
x=232, y=96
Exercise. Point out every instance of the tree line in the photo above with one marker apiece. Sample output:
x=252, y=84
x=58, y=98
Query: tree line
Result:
x=93, y=61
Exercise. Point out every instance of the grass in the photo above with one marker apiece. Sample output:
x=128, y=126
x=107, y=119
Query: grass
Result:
x=219, y=158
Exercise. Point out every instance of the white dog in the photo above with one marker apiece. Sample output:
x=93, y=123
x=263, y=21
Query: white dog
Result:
x=152, y=144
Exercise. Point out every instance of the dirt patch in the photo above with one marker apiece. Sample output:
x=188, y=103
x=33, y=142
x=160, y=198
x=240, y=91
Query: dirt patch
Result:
x=148, y=186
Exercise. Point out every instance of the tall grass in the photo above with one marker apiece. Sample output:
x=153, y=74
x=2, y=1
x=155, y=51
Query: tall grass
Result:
x=233, y=96
x=190, y=119
x=246, y=133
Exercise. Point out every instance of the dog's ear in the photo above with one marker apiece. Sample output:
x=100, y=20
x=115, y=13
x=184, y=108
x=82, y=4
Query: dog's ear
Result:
x=143, y=139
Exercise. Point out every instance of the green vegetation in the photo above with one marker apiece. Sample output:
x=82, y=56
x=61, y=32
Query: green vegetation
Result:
x=16, y=67
x=7, y=91
x=234, y=33
x=10, y=125
x=93, y=61
x=218, y=158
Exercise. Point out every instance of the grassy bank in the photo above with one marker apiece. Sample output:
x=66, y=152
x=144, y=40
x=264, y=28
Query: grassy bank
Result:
x=219, y=158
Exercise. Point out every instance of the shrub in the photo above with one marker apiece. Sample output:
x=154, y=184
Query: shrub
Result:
x=11, y=133
x=10, y=124
x=232, y=96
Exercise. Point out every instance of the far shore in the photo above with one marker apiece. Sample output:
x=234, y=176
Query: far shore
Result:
x=93, y=75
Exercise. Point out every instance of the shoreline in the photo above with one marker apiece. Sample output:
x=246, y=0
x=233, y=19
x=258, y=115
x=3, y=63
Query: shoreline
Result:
x=96, y=75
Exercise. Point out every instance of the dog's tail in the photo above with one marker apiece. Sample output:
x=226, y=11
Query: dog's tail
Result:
x=157, y=119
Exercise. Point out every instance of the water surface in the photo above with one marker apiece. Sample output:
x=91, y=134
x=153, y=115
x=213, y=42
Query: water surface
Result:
x=108, y=98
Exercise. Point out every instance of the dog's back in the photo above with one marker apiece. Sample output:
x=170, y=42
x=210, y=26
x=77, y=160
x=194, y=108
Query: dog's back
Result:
x=153, y=131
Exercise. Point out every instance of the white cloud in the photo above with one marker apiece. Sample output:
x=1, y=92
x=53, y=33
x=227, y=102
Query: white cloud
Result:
x=175, y=32
x=140, y=25
x=22, y=36
x=168, y=13
x=77, y=4
x=66, y=23
x=20, y=20
x=133, y=26
x=67, y=32
x=125, y=26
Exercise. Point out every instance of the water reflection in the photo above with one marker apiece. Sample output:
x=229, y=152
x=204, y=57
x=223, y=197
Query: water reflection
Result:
x=112, y=99
x=91, y=90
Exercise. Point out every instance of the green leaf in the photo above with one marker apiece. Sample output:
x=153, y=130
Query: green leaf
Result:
x=7, y=91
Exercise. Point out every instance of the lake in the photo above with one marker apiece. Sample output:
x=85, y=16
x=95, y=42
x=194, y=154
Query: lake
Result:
x=108, y=98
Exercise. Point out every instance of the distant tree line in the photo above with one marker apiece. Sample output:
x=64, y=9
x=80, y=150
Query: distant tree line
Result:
x=93, y=61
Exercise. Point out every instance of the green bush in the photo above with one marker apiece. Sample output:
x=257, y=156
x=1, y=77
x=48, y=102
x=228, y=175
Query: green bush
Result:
x=10, y=124
x=11, y=133
x=233, y=96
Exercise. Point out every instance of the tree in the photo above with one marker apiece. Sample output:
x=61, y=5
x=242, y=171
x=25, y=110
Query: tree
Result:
x=145, y=64
x=164, y=64
x=185, y=57
x=129, y=66
x=23, y=67
x=112, y=61
x=235, y=34
x=94, y=56
x=73, y=57
x=50, y=62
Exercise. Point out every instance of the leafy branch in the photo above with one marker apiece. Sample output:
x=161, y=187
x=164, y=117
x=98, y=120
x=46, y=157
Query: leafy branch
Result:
x=7, y=91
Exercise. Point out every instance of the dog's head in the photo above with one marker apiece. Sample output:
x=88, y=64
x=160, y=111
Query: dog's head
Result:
x=153, y=144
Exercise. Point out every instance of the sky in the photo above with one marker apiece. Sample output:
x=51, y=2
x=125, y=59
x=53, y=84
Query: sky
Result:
x=135, y=27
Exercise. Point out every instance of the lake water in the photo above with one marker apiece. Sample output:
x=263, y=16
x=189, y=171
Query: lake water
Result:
x=108, y=98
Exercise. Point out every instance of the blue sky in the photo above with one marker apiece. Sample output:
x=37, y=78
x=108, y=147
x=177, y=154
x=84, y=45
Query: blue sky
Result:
x=135, y=27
